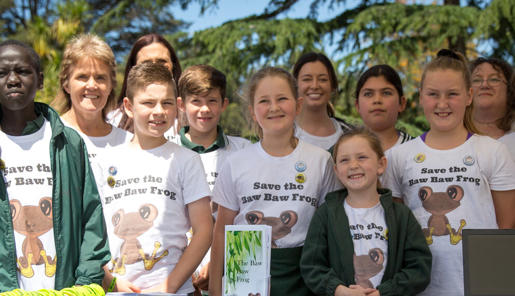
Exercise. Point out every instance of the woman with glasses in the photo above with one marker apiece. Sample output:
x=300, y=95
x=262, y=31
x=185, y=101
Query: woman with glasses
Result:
x=494, y=100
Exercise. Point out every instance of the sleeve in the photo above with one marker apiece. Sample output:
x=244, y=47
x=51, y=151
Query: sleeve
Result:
x=415, y=273
x=194, y=184
x=224, y=190
x=330, y=182
x=94, y=247
x=392, y=178
x=315, y=267
x=498, y=167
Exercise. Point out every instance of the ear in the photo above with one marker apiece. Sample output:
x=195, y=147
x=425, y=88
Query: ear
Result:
x=225, y=103
x=128, y=107
x=300, y=101
x=402, y=104
x=382, y=163
x=356, y=104
x=470, y=94
x=251, y=111
x=41, y=78
x=180, y=104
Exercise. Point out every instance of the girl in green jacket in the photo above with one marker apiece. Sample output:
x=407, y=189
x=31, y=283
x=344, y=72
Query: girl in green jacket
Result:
x=360, y=242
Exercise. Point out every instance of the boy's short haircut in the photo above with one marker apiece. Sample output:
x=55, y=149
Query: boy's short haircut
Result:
x=35, y=59
x=200, y=79
x=146, y=73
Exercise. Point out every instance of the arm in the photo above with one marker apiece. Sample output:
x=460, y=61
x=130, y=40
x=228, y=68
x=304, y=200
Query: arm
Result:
x=225, y=217
x=121, y=285
x=315, y=267
x=202, y=224
x=415, y=272
x=504, y=203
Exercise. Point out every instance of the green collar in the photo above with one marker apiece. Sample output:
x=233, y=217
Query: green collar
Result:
x=217, y=144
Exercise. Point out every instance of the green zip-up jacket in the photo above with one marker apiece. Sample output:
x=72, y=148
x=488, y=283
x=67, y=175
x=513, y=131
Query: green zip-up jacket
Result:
x=79, y=228
x=327, y=257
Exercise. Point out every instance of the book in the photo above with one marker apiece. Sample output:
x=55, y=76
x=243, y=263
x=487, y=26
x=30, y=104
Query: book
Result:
x=247, y=260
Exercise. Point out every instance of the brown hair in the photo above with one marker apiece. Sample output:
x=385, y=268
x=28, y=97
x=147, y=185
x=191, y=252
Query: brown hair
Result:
x=447, y=59
x=146, y=73
x=311, y=57
x=369, y=136
x=200, y=79
x=254, y=81
x=506, y=70
x=84, y=46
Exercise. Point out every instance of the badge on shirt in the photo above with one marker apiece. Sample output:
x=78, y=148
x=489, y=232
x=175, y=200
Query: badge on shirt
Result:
x=112, y=171
x=300, y=166
x=2, y=165
x=300, y=178
x=419, y=158
x=111, y=181
x=468, y=160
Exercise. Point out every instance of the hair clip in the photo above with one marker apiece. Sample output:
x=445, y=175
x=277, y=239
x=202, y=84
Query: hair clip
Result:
x=448, y=53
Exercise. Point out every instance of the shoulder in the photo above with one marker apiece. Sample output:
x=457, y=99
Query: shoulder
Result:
x=485, y=144
x=121, y=133
x=307, y=148
x=344, y=125
x=237, y=142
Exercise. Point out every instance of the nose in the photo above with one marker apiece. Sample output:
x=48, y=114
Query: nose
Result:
x=353, y=163
x=204, y=108
x=377, y=99
x=91, y=83
x=274, y=106
x=13, y=79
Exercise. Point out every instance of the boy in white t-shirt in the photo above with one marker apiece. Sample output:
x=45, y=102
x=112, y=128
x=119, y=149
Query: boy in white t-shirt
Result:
x=152, y=192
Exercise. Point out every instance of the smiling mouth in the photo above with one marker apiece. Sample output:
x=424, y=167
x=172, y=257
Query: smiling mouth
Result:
x=314, y=96
x=91, y=97
x=443, y=114
x=355, y=176
x=157, y=122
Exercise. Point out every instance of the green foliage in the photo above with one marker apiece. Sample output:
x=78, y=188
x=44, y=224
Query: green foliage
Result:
x=240, y=245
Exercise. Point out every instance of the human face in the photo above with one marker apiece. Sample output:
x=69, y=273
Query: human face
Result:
x=275, y=107
x=486, y=95
x=379, y=104
x=19, y=80
x=156, y=53
x=153, y=111
x=444, y=98
x=203, y=111
x=314, y=85
x=357, y=165
x=89, y=86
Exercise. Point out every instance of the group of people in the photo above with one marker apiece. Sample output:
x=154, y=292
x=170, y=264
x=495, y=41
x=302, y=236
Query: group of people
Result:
x=134, y=191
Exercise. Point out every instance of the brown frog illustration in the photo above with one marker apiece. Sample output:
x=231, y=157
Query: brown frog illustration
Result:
x=367, y=266
x=129, y=226
x=280, y=226
x=33, y=221
x=439, y=204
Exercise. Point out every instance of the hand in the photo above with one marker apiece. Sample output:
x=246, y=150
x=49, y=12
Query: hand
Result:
x=125, y=286
x=375, y=293
x=366, y=291
x=202, y=280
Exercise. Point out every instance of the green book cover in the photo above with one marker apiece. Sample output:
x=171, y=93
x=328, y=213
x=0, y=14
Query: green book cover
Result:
x=247, y=260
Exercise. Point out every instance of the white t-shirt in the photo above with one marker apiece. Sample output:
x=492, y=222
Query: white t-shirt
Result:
x=509, y=140
x=96, y=145
x=455, y=185
x=322, y=142
x=214, y=160
x=28, y=177
x=369, y=233
x=144, y=195
x=282, y=192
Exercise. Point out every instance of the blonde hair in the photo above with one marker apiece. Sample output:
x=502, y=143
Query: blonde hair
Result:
x=254, y=81
x=447, y=59
x=84, y=46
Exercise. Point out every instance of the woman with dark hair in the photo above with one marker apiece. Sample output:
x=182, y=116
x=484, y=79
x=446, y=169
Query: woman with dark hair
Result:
x=317, y=84
x=494, y=99
x=150, y=47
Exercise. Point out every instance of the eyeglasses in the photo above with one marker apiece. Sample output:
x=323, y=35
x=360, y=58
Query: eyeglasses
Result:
x=493, y=81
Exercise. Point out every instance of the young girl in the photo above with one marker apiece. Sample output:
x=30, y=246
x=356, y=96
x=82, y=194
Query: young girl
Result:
x=379, y=100
x=317, y=83
x=360, y=242
x=296, y=175
x=449, y=177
